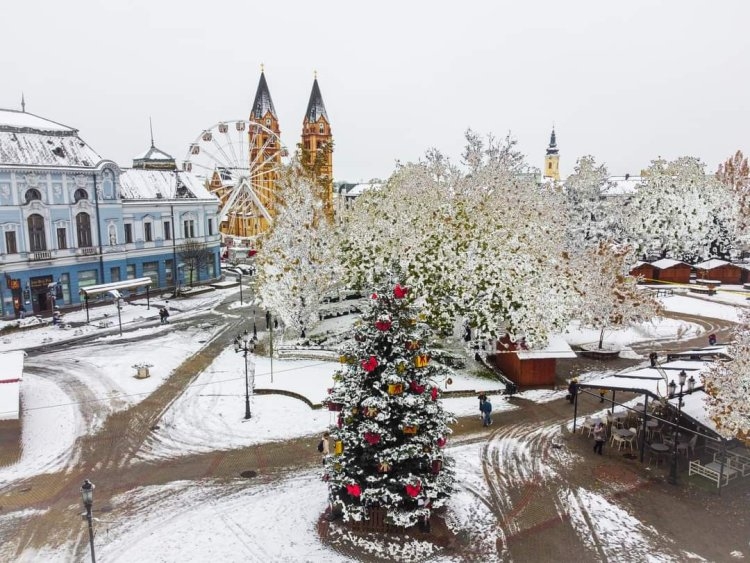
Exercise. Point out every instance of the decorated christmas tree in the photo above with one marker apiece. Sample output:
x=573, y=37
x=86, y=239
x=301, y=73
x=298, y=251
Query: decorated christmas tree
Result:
x=388, y=444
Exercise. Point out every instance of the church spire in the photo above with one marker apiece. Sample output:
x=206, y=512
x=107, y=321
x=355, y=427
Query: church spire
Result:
x=552, y=148
x=315, y=107
x=263, y=103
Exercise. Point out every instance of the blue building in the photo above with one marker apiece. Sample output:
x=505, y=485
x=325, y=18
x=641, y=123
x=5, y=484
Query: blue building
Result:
x=70, y=219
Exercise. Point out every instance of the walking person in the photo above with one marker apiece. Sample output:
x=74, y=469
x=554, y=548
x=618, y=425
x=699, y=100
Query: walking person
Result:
x=572, y=390
x=487, y=411
x=600, y=436
x=324, y=446
x=482, y=399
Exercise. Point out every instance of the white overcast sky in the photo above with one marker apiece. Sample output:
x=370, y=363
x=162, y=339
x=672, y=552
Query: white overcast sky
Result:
x=626, y=81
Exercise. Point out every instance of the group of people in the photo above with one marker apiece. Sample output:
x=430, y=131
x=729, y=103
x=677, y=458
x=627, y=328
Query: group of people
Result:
x=164, y=315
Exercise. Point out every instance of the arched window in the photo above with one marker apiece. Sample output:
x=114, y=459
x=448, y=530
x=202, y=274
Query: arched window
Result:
x=80, y=194
x=322, y=128
x=37, y=238
x=83, y=227
x=33, y=195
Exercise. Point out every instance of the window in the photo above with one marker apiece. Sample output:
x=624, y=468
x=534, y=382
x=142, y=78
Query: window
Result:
x=210, y=227
x=62, y=238
x=128, y=232
x=65, y=283
x=33, y=195
x=86, y=278
x=151, y=270
x=130, y=271
x=114, y=274
x=167, y=230
x=189, y=228
x=79, y=195
x=147, y=235
x=549, y=165
x=37, y=238
x=322, y=128
x=83, y=227
x=268, y=121
x=10, y=242
x=169, y=278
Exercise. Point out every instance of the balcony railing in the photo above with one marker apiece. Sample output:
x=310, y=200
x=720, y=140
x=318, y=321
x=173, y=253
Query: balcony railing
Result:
x=40, y=255
x=88, y=251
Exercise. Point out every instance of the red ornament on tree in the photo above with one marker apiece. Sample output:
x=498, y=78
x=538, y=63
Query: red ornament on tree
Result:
x=355, y=490
x=434, y=393
x=413, y=490
x=416, y=387
x=374, y=296
x=372, y=438
x=400, y=292
x=383, y=325
x=441, y=442
x=370, y=364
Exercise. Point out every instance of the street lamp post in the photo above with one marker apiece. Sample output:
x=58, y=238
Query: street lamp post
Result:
x=269, y=326
x=675, y=438
x=87, y=494
x=246, y=344
x=239, y=280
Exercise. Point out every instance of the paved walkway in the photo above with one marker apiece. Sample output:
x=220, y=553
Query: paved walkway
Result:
x=106, y=458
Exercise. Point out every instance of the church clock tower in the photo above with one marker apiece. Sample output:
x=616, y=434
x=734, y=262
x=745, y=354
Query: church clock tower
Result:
x=552, y=159
x=317, y=146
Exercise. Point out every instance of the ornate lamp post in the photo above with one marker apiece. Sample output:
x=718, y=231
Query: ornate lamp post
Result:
x=672, y=393
x=246, y=344
x=87, y=494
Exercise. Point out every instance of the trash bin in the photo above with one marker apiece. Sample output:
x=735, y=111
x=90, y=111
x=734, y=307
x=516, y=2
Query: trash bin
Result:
x=142, y=372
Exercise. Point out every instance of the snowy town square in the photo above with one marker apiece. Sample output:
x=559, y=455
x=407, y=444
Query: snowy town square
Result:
x=403, y=282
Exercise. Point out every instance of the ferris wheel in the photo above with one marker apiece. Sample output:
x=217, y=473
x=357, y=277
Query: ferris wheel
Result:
x=240, y=161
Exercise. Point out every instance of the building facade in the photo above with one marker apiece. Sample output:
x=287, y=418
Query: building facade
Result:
x=70, y=219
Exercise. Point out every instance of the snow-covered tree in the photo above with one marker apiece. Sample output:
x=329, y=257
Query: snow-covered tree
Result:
x=680, y=212
x=610, y=297
x=392, y=428
x=589, y=220
x=727, y=384
x=735, y=173
x=298, y=262
x=486, y=245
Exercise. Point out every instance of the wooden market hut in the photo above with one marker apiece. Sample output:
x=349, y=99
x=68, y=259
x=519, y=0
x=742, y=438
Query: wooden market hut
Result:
x=643, y=270
x=671, y=271
x=719, y=270
x=526, y=367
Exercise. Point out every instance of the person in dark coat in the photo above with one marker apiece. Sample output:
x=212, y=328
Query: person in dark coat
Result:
x=487, y=411
x=482, y=399
x=572, y=390
x=600, y=436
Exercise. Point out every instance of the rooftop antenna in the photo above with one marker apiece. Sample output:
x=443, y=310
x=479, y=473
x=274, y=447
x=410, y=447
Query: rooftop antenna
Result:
x=315, y=74
x=23, y=103
x=151, y=128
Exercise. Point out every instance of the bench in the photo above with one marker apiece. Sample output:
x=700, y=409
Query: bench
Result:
x=713, y=472
x=736, y=460
x=703, y=290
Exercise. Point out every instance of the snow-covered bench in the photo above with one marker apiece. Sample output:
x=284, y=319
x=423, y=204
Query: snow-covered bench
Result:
x=703, y=290
x=713, y=471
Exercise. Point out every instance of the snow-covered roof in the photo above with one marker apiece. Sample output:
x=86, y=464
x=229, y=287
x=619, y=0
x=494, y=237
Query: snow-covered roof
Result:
x=556, y=347
x=359, y=189
x=711, y=264
x=20, y=121
x=44, y=148
x=154, y=154
x=665, y=263
x=649, y=380
x=620, y=185
x=161, y=184
x=694, y=405
x=11, y=375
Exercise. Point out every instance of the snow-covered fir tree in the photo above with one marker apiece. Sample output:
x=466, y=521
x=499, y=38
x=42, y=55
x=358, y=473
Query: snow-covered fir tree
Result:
x=297, y=263
x=681, y=213
x=610, y=297
x=589, y=219
x=392, y=428
x=727, y=384
x=486, y=245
